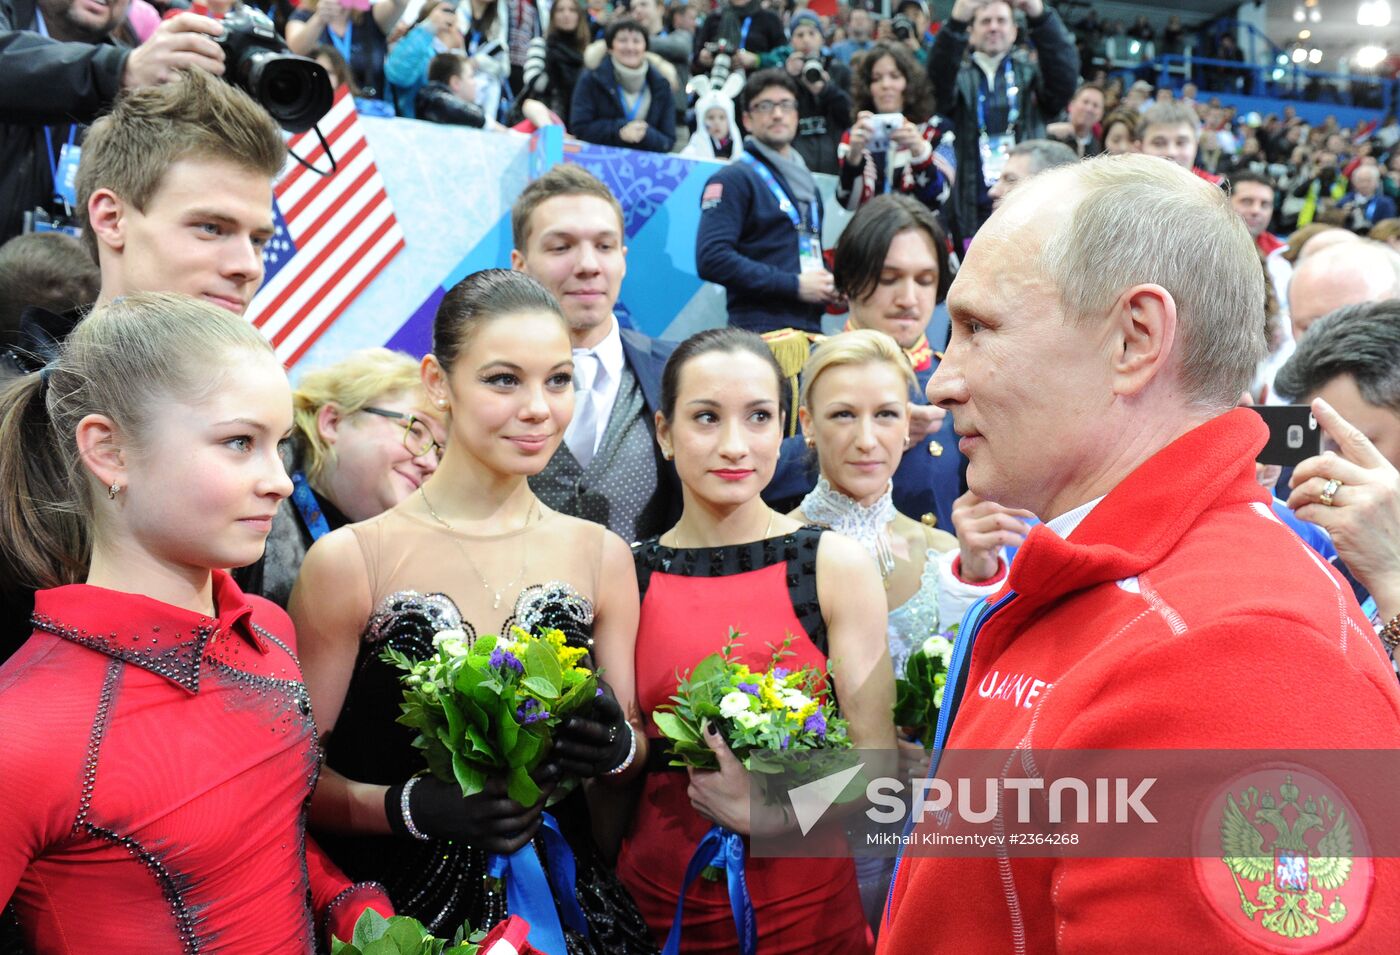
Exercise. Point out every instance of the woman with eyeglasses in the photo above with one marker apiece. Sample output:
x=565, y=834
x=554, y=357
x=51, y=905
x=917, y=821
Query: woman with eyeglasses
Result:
x=365, y=437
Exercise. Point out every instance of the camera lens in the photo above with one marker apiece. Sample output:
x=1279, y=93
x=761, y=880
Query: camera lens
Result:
x=812, y=71
x=294, y=89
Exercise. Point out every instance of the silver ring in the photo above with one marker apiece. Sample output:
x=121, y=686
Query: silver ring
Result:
x=1329, y=491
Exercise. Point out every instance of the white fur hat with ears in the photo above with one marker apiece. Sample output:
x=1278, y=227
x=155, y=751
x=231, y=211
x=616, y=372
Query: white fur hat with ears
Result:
x=709, y=97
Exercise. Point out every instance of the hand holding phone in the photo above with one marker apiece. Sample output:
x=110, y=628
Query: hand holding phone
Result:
x=1293, y=434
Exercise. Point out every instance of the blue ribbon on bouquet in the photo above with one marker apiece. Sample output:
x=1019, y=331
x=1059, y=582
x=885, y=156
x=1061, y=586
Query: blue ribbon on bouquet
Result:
x=721, y=849
x=539, y=899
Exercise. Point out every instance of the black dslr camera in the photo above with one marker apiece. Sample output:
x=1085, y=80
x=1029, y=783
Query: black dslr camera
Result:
x=902, y=26
x=296, y=90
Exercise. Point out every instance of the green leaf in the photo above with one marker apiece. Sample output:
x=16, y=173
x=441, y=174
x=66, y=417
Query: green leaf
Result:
x=541, y=687
x=455, y=724
x=479, y=743
x=527, y=747
x=369, y=927
x=676, y=728
x=387, y=946
x=471, y=779
x=540, y=660
x=407, y=934
x=507, y=730
x=521, y=788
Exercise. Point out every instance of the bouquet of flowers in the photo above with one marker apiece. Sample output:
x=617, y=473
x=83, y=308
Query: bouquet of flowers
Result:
x=919, y=692
x=400, y=935
x=492, y=707
x=765, y=718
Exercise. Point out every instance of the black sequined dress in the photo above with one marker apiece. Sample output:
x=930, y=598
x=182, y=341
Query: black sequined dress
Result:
x=442, y=883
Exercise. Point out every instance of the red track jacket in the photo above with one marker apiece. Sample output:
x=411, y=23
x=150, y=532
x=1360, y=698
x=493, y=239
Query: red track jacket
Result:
x=1180, y=615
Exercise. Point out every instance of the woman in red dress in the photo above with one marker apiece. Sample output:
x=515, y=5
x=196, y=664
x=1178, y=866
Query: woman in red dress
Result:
x=731, y=561
x=158, y=746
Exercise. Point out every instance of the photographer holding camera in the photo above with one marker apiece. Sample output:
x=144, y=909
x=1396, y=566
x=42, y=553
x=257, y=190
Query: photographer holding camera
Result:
x=892, y=148
x=734, y=37
x=823, y=104
x=907, y=26
x=60, y=66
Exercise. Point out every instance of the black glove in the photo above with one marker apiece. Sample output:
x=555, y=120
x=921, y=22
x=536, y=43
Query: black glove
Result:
x=591, y=745
x=490, y=820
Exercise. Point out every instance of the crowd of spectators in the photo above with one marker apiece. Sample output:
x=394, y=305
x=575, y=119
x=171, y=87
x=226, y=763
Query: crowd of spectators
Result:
x=952, y=115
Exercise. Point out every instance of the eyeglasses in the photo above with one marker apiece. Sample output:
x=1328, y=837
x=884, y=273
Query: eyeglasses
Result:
x=764, y=107
x=417, y=439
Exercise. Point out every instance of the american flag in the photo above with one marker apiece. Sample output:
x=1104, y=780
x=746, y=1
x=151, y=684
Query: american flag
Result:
x=335, y=233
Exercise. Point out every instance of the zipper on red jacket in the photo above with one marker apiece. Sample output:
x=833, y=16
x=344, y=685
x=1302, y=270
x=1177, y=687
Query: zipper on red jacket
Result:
x=958, y=667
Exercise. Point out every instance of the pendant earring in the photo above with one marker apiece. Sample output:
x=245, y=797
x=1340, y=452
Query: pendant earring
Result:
x=113, y=490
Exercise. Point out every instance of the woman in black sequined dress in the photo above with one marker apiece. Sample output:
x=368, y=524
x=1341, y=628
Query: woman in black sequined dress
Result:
x=472, y=550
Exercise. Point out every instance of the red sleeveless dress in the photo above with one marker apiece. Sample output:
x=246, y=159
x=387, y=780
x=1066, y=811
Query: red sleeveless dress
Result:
x=690, y=599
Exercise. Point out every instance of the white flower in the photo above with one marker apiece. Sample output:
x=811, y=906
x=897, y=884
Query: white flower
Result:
x=938, y=646
x=794, y=700
x=748, y=719
x=453, y=642
x=734, y=703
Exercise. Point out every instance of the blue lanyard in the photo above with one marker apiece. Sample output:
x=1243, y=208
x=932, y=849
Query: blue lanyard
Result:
x=1013, y=109
x=630, y=111
x=308, y=507
x=344, y=43
x=744, y=32
x=784, y=203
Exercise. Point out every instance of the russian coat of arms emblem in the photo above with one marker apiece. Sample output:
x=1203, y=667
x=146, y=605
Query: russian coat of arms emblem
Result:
x=1290, y=855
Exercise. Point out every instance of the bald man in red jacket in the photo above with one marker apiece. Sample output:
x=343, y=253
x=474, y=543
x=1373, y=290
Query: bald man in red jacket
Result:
x=1160, y=606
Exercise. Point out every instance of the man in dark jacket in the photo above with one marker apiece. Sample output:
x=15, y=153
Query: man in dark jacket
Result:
x=741, y=31
x=59, y=68
x=823, y=103
x=450, y=93
x=996, y=96
x=760, y=220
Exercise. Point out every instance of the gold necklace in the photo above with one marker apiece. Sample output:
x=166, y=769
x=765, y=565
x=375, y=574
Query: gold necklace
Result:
x=766, y=531
x=524, y=561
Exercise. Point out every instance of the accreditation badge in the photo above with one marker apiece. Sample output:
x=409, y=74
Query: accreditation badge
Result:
x=809, y=251
x=996, y=149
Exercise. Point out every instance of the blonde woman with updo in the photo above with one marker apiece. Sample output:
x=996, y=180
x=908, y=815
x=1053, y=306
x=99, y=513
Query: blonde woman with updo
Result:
x=364, y=437
x=854, y=409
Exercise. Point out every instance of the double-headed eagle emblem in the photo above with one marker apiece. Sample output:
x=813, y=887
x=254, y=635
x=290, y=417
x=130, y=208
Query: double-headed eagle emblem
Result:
x=1294, y=883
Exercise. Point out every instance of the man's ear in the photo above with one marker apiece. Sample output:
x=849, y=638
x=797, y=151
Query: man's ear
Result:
x=106, y=213
x=100, y=447
x=517, y=260
x=1144, y=329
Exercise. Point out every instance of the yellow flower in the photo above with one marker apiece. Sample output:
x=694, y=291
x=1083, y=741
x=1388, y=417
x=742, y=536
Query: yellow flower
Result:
x=568, y=656
x=768, y=694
